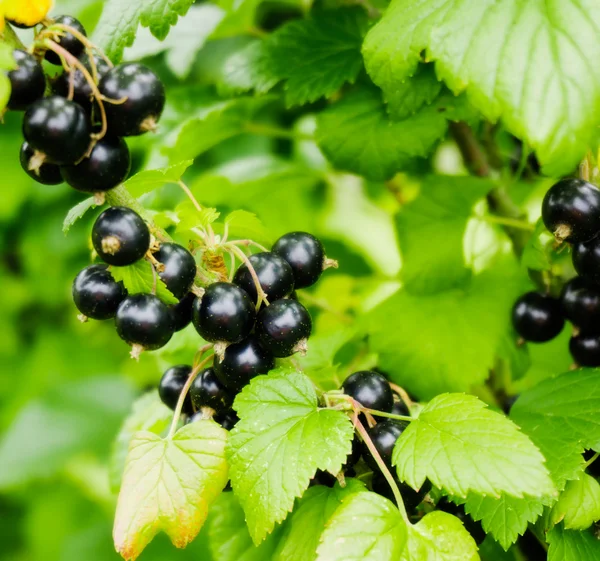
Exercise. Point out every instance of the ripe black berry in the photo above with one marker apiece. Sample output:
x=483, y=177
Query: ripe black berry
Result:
x=182, y=311
x=586, y=259
x=46, y=174
x=82, y=91
x=106, y=167
x=120, y=236
x=58, y=128
x=537, y=317
x=208, y=391
x=96, y=294
x=355, y=454
x=283, y=327
x=384, y=436
x=243, y=361
x=274, y=275
x=571, y=210
x=143, y=319
x=180, y=268
x=400, y=408
x=145, y=99
x=585, y=349
x=370, y=389
x=474, y=528
x=581, y=304
x=228, y=419
x=224, y=313
x=411, y=498
x=305, y=254
x=27, y=81
x=170, y=387
x=68, y=41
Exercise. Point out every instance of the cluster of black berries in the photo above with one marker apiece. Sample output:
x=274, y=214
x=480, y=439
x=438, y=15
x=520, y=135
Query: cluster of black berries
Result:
x=75, y=133
x=570, y=211
x=250, y=333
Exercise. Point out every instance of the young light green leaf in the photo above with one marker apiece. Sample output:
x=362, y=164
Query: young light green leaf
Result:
x=119, y=22
x=579, y=504
x=189, y=217
x=246, y=225
x=6, y=63
x=536, y=96
x=461, y=446
x=303, y=531
x=569, y=545
x=77, y=212
x=283, y=437
x=140, y=278
x=169, y=485
x=439, y=536
x=149, y=413
x=411, y=94
x=249, y=68
x=145, y=181
x=366, y=527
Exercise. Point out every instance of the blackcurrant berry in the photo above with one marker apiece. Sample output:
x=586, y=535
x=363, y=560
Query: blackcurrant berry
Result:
x=356, y=453
x=323, y=478
x=96, y=294
x=370, y=389
x=400, y=408
x=586, y=259
x=508, y=402
x=144, y=96
x=27, y=81
x=170, y=386
x=411, y=498
x=179, y=268
x=143, y=319
x=225, y=313
x=46, y=174
x=243, y=361
x=68, y=41
x=283, y=327
x=537, y=317
x=228, y=419
x=274, y=275
x=571, y=210
x=585, y=349
x=58, y=128
x=384, y=436
x=305, y=254
x=182, y=311
x=120, y=236
x=208, y=391
x=82, y=90
x=106, y=167
x=474, y=528
x=580, y=301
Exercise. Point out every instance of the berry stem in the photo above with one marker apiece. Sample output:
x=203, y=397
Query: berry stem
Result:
x=403, y=394
x=388, y=415
x=198, y=207
x=591, y=460
x=262, y=297
x=507, y=221
x=247, y=243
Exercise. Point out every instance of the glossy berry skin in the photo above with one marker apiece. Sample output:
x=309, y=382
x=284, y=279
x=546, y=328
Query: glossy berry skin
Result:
x=384, y=436
x=537, y=317
x=274, y=275
x=354, y=456
x=106, y=167
x=68, y=41
x=370, y=389
x=46, y=174
x=180, y=268
x=474, y=528
x=182, y=311
x=400, y=408
x=227, y=420
x=224, y=313
x=143, y=319
x=120, y=236
x=586, y=260
x=305, y=254
x=571, y=210
x=27, y=81
x=208, y=391
x=96, y=294
x=82, y=91
x=58, y=128
x=585, y=349
x=243, y=361
x=580, y=301
x=282, y=326
x=145, y=101
x=171, y=384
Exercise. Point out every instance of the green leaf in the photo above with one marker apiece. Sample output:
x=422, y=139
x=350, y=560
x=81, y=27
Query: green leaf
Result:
x=539, y=252
x=568, y=545
x=562, y=417
x=189, y=217
x=579, y=504
x=432, y=230
x=411, y=94
x=439, y=536
x=366, y=527
x=482, y=451
x=537, y=96
x=246, y=225
x=149, y=413
x=279, y=443
x=77, y=212
x=6, y=63
x=303, y=530
x=250, y=68
x=169, y=485
x=140, y=278
x=119, y=22
x=145, y=181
